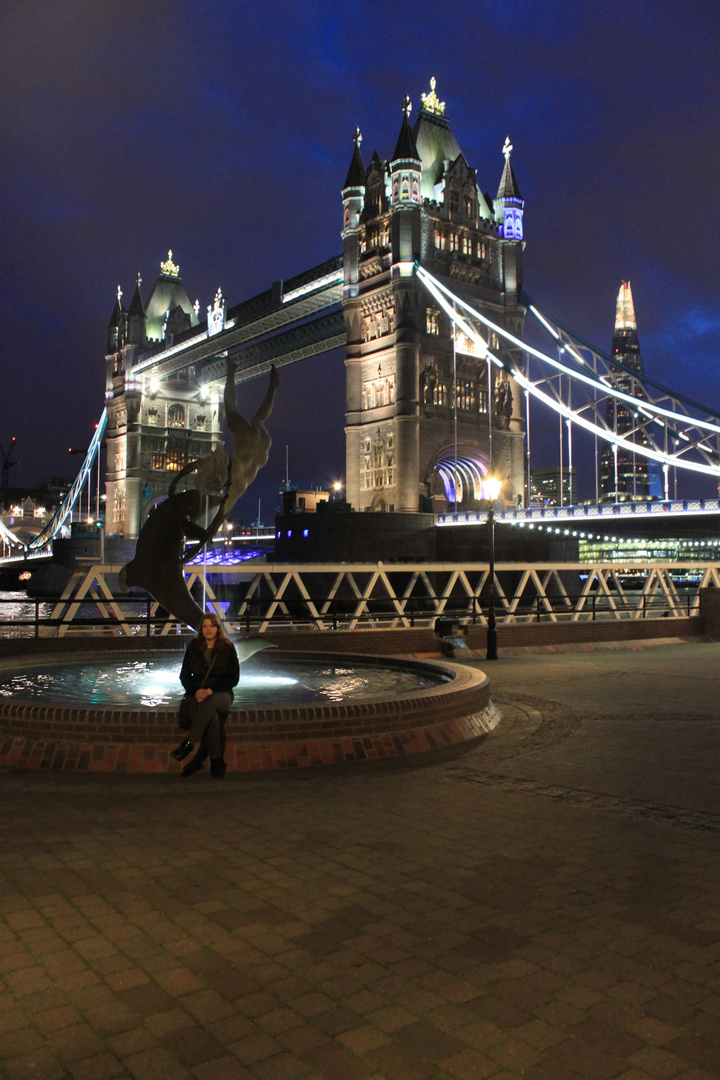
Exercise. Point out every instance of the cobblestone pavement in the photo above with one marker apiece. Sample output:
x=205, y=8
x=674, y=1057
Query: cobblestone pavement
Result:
x=546, y=906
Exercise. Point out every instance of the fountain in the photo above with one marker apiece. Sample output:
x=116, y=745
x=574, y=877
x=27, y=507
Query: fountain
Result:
x=367, y=709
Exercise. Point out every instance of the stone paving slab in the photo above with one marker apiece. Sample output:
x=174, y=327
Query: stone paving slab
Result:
x=546, y=906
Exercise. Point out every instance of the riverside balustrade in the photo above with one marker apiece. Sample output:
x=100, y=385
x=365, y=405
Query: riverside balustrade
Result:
x=343, y=596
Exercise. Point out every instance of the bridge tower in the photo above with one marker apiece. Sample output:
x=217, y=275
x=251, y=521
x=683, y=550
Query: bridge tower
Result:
x=154, y=427
x=426, y=415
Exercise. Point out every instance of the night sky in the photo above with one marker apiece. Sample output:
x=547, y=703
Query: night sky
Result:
x=224, y=131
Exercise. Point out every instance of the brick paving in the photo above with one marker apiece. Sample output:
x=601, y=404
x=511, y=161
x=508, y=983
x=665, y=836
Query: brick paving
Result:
x=546, y=906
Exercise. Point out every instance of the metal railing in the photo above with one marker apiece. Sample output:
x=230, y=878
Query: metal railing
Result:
x=376, y=596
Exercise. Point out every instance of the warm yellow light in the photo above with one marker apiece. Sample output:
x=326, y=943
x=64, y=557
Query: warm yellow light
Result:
x=337, y=486
x=492, y=486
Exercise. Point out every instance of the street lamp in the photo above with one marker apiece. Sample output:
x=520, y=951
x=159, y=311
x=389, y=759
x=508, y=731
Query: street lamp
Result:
x=492, y=487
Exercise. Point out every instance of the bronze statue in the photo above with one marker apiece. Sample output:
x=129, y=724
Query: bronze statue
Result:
x=161, y=549
x=251, y=442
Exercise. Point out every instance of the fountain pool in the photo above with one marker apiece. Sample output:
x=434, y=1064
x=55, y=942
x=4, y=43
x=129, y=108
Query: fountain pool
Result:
x=117, y=713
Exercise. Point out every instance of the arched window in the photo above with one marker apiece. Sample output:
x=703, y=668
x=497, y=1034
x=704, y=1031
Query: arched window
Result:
x=176, y=416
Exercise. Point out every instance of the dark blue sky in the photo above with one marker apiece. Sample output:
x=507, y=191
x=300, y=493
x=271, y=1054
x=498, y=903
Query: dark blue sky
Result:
x=223, y=131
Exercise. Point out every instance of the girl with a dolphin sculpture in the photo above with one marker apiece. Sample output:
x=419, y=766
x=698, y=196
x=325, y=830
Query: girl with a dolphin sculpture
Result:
x=161, y=553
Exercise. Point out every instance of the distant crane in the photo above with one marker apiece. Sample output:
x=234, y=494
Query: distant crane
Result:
x=7, y=462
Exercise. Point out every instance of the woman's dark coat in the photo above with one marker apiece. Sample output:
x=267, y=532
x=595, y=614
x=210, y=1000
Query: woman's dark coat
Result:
x=225, y=671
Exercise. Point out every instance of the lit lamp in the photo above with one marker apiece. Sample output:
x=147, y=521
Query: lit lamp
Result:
x=492, y=486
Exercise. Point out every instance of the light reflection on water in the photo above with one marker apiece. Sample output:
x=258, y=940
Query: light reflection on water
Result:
x=155, y=683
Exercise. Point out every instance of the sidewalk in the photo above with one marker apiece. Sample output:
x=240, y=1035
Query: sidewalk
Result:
x=545, y=907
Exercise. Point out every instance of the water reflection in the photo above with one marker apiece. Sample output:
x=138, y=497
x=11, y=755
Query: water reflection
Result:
x=154, y=683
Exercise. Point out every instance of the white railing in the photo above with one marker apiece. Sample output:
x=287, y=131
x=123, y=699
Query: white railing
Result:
x=332, y=596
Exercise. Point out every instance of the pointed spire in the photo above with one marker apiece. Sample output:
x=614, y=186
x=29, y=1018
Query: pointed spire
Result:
x=356, y=173
x=406, y=147
x=117, y=311
x=625, y=309
x=137, y=307
x=508, y=184
x=136, y=319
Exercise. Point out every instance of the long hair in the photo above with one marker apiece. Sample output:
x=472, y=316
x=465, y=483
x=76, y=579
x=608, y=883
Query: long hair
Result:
x=222, y=640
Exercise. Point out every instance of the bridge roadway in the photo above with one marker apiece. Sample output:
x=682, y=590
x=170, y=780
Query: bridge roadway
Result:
x=673, y=517
x=306, y=310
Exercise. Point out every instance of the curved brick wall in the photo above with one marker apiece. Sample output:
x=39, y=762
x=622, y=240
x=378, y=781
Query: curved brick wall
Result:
x=441, y=718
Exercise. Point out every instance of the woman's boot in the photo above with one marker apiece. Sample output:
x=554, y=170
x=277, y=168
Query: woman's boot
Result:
x=195, y=763
x=182, y=751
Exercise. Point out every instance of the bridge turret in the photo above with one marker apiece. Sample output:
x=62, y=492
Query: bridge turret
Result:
x=115, y=330
x=353, y=196
x=136, y=318
x=405, y=195
x=509, y=209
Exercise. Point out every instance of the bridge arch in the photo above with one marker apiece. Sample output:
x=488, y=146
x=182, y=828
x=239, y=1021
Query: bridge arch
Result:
x=462, y=474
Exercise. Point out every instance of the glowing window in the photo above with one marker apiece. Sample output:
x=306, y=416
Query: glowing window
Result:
x=176, y=416
x=176, y=460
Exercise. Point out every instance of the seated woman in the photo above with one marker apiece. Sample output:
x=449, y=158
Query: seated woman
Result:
x=209, y=672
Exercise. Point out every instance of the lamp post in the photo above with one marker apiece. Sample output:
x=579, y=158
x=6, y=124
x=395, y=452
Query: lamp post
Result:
x=492, y=489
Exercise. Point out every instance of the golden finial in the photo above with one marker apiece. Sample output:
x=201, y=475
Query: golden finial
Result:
x=407, y=105
x=357, y=137
x=169, y=268
x=507, y=148
x=430, y=102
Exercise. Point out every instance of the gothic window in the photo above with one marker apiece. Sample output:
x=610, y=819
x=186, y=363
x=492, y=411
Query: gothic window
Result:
x=390, y=469
x=439, y=394
x=176, y=416
x=119, y=511
x=367, y=472
x=367, y=446
x=389, y=442
x=439, y=240
x=405, y=196
x=469, y=207
x=120, y=459
x=467, y=245
x=176, y=460
x=415, y=191
x=453, y=202
x=396, y=189
x=453, y=241
x=466, y=395
x=482, y=251
x=380, y=394
x=433, y=321
x=200, y=422
x=157, y=461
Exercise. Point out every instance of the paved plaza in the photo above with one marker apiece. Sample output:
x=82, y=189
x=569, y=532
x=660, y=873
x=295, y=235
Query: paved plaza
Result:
x=546, y=906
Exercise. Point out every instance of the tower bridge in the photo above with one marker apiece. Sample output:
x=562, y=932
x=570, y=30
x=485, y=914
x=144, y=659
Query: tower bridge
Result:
x=427, y=298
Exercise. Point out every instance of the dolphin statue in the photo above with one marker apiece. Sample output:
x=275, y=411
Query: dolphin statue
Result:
x=159, y=562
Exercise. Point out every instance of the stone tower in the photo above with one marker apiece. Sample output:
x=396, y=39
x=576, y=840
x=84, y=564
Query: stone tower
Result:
x=423, y=424
x=633, y=478
x=154, y=427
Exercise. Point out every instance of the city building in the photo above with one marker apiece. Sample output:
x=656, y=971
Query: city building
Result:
x=624, y=475
x=546, y=484
x=427, y=416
